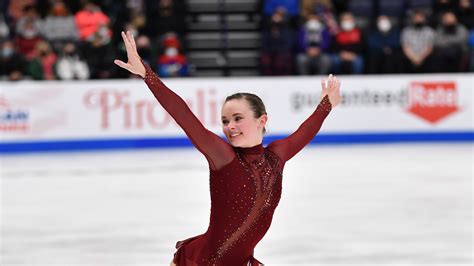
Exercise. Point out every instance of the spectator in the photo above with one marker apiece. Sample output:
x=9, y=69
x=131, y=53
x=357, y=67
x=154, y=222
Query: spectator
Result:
x=145, y=49
x=12, y=64
x=164, y=16
x=28, y=32
x=90, y=20
x=451, y=44
x=277, y=47
x=59, y=26
x=323, y=9
x=417, y=42
x=42, y=65
x=70, y=65
x=384, y=51
x=16, y=9
x=313, y=44
x=442, y=6
x=99, y=54
x=465, y=13
x=348, y=45
x=289, y=7
x=172, y=63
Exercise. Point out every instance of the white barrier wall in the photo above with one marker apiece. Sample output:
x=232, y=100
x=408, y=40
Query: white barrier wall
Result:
x=34, y=112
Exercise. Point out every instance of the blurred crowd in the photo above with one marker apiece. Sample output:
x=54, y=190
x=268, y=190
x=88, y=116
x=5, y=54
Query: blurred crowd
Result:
x=79, y=39
x=367, y=36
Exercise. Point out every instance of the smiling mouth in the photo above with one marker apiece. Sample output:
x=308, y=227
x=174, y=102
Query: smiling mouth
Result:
x=235, y=135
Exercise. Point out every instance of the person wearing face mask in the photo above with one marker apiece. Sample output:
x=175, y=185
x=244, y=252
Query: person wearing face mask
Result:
x=276, y=56
x=348, y=46
x=172, y=63
x=417, y=40
x=384, y=48
x=313, y=43
x=465, y=13
x=70, y=65
x=42, y=66
x=12, y=64
x=451, y=48
x=59, y=26
x=28, y=32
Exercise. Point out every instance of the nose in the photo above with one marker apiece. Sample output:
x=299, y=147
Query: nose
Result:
x=231, y=126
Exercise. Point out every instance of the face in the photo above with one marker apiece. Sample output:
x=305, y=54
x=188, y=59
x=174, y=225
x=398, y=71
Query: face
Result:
x=239, y=124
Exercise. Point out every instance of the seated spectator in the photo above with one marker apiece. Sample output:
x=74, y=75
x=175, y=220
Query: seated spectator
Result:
x=70, y=65
x=165, y=16
x=90, y=20
x=42, y=65
x=28, y=32
x=145, y=50
x=59, y=26
x=451, y=44
x=417, y=40
x=465, y=13
x=384, y=51
x=277, y=47
x=313, y=44
x=323, y=9
x=289, y=7
x=12, y=64
x=99, y=53
x=16, y=9
x=442, y=6
x=172, y=63
x=348, y=46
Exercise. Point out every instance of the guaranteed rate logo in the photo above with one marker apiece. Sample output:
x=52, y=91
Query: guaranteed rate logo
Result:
x=433, y=101
x=12, y=119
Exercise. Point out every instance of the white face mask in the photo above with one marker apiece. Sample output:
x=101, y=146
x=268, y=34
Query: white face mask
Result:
x=313, y=25
x=347, y=25
x=171, y=52
x=384, y=25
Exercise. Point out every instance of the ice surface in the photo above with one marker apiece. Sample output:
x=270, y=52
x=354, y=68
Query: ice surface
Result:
x=405, y=204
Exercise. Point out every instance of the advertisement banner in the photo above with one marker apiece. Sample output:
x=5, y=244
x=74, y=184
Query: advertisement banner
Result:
x=126, y=109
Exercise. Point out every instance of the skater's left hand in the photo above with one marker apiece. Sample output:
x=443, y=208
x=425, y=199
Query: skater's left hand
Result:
x=330, y=87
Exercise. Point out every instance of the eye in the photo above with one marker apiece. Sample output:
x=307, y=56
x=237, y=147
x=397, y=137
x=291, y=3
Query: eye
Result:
x=238, y=118
x=225, y=122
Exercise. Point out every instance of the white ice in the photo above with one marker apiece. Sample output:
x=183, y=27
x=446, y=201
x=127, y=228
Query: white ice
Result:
x=405, y=204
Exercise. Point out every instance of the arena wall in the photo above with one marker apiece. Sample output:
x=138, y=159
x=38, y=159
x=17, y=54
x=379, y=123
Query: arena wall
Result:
x=117, y=114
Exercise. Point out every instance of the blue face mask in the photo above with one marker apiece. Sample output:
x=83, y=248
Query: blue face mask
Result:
x=7, y=52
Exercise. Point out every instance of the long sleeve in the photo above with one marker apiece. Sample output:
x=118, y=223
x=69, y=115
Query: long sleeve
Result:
x=216, y=150
x=288, y=147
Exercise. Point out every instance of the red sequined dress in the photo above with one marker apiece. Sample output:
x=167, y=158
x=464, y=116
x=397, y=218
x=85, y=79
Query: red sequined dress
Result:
x=245, y=184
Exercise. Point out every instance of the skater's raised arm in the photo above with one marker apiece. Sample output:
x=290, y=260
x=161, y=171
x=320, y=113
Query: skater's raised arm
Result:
x=288, y=147
x=216, y=150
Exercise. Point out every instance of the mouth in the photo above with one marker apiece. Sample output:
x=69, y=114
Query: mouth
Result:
x=233, y=135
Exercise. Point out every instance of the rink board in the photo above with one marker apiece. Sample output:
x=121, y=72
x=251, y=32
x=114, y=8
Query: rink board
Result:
x=119, y=114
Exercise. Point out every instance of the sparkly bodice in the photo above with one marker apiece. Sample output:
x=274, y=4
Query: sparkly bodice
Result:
x=245, y=184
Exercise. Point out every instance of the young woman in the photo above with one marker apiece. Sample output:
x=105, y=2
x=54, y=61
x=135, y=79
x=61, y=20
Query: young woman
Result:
x=245, y=177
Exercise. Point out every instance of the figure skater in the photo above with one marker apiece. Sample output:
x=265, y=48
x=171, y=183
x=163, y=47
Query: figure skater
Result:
x=245, y=177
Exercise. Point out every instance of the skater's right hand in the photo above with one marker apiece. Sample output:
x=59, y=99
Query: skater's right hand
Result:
x=134, y=64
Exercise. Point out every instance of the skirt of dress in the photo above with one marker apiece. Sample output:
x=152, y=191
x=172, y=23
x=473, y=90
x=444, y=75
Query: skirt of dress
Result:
x=180, y=259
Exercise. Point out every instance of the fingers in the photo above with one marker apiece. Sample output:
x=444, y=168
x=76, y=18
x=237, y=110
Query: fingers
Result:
x=122, y=64
x=127, y=43
x=132, y=40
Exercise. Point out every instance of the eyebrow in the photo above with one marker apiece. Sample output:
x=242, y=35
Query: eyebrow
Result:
x=233, y=115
